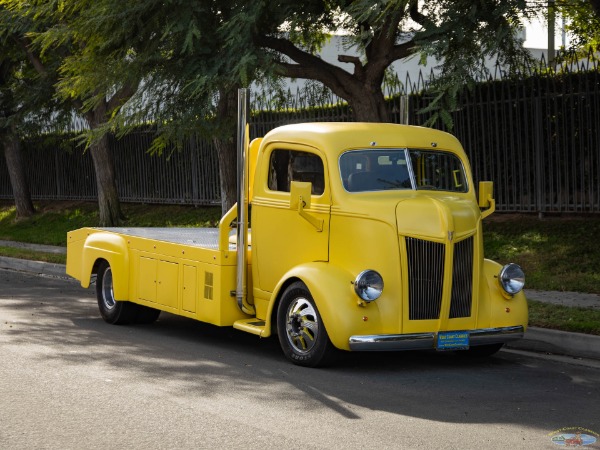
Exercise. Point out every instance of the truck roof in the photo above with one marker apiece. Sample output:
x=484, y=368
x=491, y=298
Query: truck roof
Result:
x=339, y=136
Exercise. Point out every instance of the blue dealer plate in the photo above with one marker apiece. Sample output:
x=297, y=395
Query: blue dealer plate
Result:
x=453, y=340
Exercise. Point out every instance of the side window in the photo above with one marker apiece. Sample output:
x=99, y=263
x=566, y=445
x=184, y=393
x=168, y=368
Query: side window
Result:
x=290, y=165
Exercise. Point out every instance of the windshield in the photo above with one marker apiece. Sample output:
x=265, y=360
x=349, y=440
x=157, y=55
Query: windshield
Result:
x=385, y=169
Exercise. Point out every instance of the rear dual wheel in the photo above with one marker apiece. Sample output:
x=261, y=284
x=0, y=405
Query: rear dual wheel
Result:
x=119, y=312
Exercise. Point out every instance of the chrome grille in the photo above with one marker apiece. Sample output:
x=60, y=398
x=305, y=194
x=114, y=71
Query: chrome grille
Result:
x=462, y=279
x=425, y=278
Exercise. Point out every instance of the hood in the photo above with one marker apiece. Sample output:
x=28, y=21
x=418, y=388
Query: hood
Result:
x=431, y=218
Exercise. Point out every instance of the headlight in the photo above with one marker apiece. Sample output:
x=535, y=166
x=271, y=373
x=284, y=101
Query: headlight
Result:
x=512, y=278
x=368, y=285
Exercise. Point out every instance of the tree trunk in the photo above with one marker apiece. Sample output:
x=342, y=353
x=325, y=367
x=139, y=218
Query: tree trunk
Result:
x=226, y=148
x=109, y=205
x=18, y=179
x=108, y=197
x=368, y=105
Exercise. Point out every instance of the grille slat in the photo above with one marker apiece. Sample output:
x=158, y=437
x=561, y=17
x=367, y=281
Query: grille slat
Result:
x=462, y=279
x=426, y=278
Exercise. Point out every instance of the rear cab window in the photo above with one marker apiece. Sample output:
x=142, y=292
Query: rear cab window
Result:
x=286, y=166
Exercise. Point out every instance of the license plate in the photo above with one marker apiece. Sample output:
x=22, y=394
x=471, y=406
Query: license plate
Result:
x=453, y=340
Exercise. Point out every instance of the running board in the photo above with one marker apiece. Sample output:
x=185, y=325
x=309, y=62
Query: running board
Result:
x=253, y=326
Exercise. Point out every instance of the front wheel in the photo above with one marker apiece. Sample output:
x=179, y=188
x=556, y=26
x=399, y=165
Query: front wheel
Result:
x=302, y=334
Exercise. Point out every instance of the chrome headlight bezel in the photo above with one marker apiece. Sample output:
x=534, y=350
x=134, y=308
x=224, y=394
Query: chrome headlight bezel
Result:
x=512, y=278
x=368, y=285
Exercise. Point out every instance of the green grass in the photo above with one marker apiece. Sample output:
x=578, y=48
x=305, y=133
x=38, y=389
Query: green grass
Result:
x=22, y=253
x=54, y=219
x=579, y=320
x=556, y=253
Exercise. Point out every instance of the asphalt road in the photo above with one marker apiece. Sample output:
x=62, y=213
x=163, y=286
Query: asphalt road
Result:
x=70, y=381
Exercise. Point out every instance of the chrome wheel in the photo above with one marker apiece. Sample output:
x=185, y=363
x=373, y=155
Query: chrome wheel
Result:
x=302, y=326
x=112, y=311
x=107, y=294
x=302, y=334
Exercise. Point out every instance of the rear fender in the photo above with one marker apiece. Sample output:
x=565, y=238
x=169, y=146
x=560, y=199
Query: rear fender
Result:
x=112, y=248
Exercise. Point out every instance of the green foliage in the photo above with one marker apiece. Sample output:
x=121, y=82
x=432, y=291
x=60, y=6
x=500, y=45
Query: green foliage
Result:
x=27, y=104
x=556, y=254
x=583, y=21
x=191, y=54
x=578, y=320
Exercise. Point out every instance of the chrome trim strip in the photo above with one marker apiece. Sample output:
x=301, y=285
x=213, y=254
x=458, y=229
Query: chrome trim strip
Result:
x=496, y=335
x=426, y=341
x=382, y=342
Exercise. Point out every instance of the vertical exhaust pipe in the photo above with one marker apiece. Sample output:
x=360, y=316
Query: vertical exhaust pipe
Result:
x=242, y=204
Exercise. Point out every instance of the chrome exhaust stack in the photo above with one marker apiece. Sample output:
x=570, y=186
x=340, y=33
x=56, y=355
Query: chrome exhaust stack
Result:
x=242, y=204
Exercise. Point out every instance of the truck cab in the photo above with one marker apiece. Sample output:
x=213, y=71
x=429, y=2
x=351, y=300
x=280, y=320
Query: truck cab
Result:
x=362, y=237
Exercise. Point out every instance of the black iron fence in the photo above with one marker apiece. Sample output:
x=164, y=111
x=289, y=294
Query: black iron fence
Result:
x=536, y=136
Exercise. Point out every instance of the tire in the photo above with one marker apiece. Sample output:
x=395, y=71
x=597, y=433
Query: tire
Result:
x=302, y=334
x=112, y=311
x=481, y=351
x=145, y=314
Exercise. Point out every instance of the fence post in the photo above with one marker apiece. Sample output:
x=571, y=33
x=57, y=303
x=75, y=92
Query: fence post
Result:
x=539, y=154
x=194, y=167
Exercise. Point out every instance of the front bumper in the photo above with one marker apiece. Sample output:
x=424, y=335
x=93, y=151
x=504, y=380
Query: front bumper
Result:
x=427, y=341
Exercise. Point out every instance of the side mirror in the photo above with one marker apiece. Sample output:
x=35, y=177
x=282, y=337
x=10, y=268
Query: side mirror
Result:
x=486, y=193
x=300, y=190
x=486, y=198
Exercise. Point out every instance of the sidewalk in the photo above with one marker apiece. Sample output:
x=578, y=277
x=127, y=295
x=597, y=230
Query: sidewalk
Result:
x=539, y=340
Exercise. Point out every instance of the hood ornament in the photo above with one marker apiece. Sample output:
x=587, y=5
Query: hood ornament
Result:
x=450, y=235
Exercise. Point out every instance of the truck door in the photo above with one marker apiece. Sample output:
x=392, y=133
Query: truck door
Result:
x=282, y=235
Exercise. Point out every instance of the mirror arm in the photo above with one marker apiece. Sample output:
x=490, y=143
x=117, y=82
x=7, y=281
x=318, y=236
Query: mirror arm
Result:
x=491, y=209
x=317, y=223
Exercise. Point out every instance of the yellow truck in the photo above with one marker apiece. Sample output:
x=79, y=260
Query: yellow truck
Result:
x=362, y=237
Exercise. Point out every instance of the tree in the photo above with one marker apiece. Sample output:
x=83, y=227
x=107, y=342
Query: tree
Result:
x=84, y=54
x=26, y=104
x=187, y=87
x=283, y=38
x=9, y=112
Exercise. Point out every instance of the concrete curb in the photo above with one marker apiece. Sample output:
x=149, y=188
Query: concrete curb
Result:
x=559, y=342
x=35, y=247
x=37, y=267
x=542, y=340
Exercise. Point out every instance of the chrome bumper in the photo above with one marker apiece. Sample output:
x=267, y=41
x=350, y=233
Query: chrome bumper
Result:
x=427, y=341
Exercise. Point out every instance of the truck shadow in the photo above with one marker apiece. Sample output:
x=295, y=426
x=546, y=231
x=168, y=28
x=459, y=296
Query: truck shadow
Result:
x=207, y=361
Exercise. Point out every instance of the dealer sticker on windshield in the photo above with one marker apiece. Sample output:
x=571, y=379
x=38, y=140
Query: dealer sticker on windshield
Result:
x=453, y=340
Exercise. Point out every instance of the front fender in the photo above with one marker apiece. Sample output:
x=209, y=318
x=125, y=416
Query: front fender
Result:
x=501, y=309
x=112, y=248
x=332, y=290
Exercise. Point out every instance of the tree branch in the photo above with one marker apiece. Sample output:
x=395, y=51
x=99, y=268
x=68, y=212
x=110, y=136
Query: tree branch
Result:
x=121, y=96
x=416, y=15
x=308, y=65
x=354, y=60
x=34, y=59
